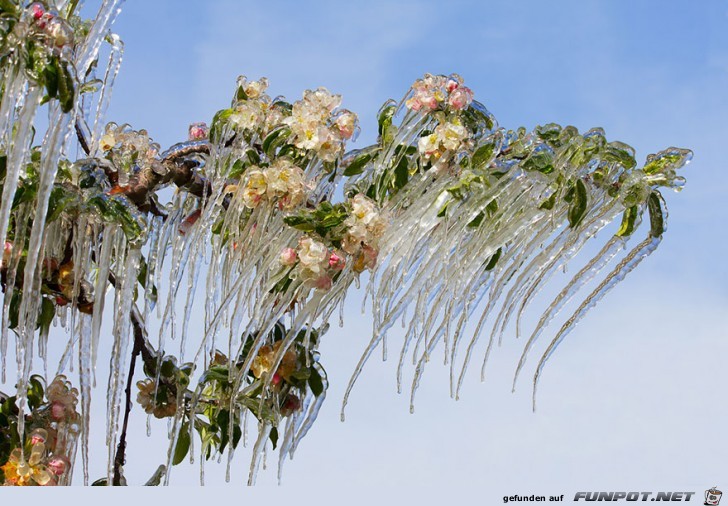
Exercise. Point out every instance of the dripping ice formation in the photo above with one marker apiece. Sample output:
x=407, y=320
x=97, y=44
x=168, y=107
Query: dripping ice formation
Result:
x=461, y=224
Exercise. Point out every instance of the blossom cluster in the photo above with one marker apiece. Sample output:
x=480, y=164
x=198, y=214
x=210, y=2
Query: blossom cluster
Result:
x=316, y=124
x=281, y=182
x=54, y=28
x=315, y=264
x=439, y=93
x=41, y=468
x=365, y=225
x=255, y=111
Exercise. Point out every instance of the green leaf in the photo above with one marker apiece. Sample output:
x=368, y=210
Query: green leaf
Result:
x=577, y=208
x=273, y=437
x=35, y=392
x=45, y=317
x=357, y=165
x=275, y=139
x=475, y=223
x=541, y=161
x=237, y=169
x=494, y=259
x=549, y=203
x=401, y=173
x=51, y=77
x=620, y=153
x=58, y=202
x=629, y=221
x=657, y=218
x=315, y=382
x=302, y=223
x=66, y=90
x=219, y=121
x=183, y=444
x=483, y=155
x=384, y=121
x=14, y=310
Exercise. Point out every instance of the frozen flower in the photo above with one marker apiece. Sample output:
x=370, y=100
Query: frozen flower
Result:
x=21, y=472
x=363, y=208
x=62, y=398
x=346, y=123
x=248, y=115
x=255, y=89
x=263, y=362
x=198, y=131
x=59, y=31
x=429, y=146
x=330, y=146
x=366, y=259
x=255, y=187
x=107, y=141
x=285, y=182
x=288, y=256
x=156, y=400
x=451, y=135
x=460, y=98
x=58, y=465
x=336, y=262
x=312, y=254
x=364, y=225
x=322, y=99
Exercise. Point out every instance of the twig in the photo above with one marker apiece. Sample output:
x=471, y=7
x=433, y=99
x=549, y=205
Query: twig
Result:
x=120, y=457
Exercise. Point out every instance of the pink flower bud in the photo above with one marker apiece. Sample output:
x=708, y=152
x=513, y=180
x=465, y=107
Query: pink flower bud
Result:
x=276, y=379
x=188, y=222
x=288, y=256
x=58, y=465
x=291, y=404
x=37, y=10
x=198, y=131
x=58, y=411
x=36, y=438
x=336, y=262
x=452, y=85
x=7, y=252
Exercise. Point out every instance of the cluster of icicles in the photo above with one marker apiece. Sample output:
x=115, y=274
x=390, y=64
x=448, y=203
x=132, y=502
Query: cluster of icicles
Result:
x=436, y=271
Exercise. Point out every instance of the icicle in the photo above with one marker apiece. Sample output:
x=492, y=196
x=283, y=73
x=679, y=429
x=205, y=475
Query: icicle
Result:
x=586, y=274
x=263, y=433
x=126, y=280
x=625, y=266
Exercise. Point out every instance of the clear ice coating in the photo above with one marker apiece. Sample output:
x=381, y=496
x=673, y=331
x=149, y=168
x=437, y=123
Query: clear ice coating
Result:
x=223, y=289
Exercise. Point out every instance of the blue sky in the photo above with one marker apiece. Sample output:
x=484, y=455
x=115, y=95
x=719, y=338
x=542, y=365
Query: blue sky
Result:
x=635, y=398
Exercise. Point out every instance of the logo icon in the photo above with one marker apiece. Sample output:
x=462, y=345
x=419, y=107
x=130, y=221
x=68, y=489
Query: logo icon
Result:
x=712, y=496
